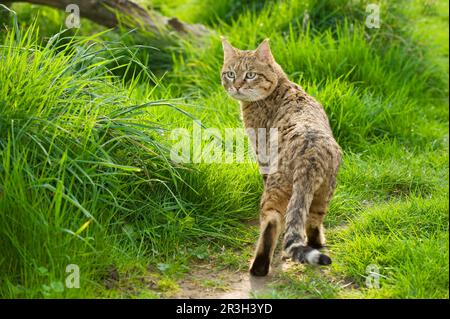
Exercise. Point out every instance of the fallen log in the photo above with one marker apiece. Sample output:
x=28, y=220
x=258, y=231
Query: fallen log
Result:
x=111, y=13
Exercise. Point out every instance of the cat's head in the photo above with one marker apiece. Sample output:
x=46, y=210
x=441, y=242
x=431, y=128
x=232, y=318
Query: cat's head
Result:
x=249, y=75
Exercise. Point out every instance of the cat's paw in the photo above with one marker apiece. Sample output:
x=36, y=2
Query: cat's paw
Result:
x=315, y=244
x=316, y=238
x=260, y=266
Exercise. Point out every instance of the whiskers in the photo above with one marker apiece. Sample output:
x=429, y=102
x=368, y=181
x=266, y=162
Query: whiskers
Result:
x=248, y=95
x=253, y=95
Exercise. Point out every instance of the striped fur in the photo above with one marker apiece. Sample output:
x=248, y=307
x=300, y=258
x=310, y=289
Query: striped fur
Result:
x=296, y=195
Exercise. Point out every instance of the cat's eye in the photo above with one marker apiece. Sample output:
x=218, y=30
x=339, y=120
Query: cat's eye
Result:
x=230, y=74
x=250, y=75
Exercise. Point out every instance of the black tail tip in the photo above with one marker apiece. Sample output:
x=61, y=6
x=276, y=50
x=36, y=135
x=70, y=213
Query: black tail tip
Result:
x=324, y=260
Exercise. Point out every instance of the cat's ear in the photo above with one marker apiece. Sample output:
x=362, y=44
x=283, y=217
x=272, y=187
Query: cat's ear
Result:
x=228, y=50
x=263, y=51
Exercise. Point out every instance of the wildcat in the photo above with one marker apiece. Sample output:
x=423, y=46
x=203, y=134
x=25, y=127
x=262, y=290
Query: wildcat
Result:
x=296, y=195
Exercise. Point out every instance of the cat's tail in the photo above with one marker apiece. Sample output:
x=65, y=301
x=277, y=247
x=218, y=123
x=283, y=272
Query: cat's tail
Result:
x=307, y=255
x=295, y=238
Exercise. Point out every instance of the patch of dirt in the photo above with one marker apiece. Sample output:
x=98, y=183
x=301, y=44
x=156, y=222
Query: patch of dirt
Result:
x=204, y=282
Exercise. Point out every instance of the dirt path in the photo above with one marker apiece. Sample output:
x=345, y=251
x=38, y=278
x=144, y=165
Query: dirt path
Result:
x=204, y=282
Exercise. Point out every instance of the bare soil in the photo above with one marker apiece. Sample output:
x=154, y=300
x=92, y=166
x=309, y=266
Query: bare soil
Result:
x=205, y=282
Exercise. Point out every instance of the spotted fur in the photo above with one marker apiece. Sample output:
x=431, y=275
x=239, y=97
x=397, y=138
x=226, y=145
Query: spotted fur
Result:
x=296, y=195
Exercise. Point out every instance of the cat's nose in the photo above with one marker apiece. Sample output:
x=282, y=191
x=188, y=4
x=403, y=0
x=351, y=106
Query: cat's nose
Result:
x=238, y=85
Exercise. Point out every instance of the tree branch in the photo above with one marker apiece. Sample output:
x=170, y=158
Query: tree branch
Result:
x=106, y=13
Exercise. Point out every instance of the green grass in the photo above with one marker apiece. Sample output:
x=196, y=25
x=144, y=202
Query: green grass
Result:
x=86, y=177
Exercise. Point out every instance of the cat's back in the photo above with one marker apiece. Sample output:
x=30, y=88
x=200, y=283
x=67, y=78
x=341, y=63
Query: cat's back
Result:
x=299, y=111
x=305, y=127
x=290, y=109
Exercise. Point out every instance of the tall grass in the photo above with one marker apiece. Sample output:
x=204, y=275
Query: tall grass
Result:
x=85, y=173
x=65, y=127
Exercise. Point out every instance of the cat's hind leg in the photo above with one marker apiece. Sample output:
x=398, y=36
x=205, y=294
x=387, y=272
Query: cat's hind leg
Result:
x=270, y=231
x=273, y=205
x=315, y=229
x=317, y=212
x=314, y=224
